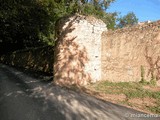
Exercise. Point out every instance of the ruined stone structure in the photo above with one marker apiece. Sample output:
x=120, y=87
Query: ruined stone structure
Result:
x=86, y=51
x=78, y=50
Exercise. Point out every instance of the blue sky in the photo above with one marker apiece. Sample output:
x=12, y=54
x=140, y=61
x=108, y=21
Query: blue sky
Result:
x=144, y=9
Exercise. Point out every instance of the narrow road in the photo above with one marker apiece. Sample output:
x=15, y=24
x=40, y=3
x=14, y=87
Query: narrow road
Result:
x=23, y=97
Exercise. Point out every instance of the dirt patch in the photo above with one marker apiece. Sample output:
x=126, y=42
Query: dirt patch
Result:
x=143, y=101
x=113, y=97
x=153, y=89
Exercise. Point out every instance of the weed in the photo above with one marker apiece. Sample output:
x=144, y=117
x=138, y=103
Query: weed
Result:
x=156, y=95
x=142, y=74
x=130, y=90
x=154, y=109
x=138, y=94
x=153, y=81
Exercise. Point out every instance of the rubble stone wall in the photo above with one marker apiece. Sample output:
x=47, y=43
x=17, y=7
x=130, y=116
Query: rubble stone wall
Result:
x=125, y=51
x=78, y=50
x=85, y=51
x=38, y=59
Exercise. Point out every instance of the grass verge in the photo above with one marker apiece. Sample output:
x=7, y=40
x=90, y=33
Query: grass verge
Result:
x=144, y=97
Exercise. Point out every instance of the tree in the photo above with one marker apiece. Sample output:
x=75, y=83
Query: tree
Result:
x=129, y=19
x=110, y=20
x=25, y=23
x=98, y=8
x=31, y=23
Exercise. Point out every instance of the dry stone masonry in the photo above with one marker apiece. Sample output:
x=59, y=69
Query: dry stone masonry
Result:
x=125, y=51
x=78, y=50
x=86, y=52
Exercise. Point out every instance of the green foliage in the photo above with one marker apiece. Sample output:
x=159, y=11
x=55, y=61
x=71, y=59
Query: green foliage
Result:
x=26, y=23
x=143, y=81
x=89, y=7
x=129, y=19
x=142, y=75
x=155, y=109
x=130, y=89
x=116, y=88
x=31, y=23
x=157, y=95
x=100, y=4
x=108, y=18
x=153, y=81
x=139, y=93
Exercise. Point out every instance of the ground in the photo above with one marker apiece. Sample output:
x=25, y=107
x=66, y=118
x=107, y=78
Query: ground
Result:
x=24, y=97
x=143, y=97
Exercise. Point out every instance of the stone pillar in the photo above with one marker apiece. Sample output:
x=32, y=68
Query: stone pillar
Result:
x=78, y=50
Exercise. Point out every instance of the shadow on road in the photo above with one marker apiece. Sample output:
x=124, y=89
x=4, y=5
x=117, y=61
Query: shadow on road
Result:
x=23, y=97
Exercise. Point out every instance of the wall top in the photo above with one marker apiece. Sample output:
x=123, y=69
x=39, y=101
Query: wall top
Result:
x=77, y=18
x=148, y=25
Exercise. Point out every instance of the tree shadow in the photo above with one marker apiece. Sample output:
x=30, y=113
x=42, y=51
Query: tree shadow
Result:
x=154, y=64
x=19, y=97
x=54, y=102
x=70, y=57
x=38, y=59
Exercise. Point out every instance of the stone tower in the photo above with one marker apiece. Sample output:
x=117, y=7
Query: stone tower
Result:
x=78, y=50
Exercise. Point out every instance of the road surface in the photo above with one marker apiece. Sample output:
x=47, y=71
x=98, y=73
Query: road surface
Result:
x=23, y=97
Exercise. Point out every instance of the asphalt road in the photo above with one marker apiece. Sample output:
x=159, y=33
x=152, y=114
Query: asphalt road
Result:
x=23, y=97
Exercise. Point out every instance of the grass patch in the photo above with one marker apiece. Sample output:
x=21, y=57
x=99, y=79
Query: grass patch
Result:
x=138, y=93
x=155, y=109
x=130, y=90
x=117, y=88
x=156, y=95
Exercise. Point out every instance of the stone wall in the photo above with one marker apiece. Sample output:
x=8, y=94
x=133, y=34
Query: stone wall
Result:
x=125, y=50
x=85, y=51
x=78, y=50
x=38, y=59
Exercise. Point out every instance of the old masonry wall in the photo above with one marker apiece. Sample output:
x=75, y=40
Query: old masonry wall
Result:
x=125, y=52
x=78, y=50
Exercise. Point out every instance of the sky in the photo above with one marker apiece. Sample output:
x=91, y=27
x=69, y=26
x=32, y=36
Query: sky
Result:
x=144, y=9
